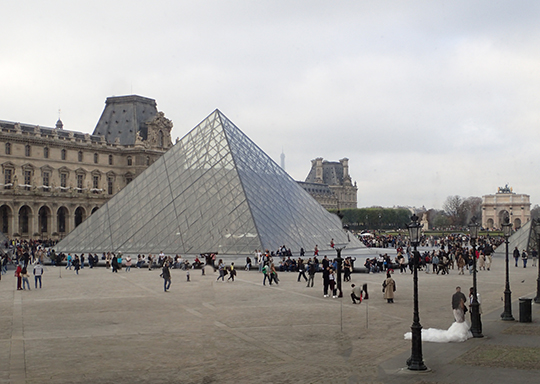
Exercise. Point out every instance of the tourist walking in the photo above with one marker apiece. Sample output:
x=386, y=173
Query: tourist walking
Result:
x=266, y=274
x=19, y=277
x=312, y=269
x=221, y=268
x=38, y=272
x=332, y=281
x=128, y=263
x=25, y=276
x=166, y=274
x=524, y=258
x=389, y=287
x=326, y=281
x=76, y=264
x=516, y=255
x=233, y=273
x=301, y=270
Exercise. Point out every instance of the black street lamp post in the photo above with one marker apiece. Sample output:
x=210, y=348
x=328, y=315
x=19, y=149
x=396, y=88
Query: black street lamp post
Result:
x=537, y=228
x=476, y=322
x=339, y=260
x=507, y=314
x=416, y=361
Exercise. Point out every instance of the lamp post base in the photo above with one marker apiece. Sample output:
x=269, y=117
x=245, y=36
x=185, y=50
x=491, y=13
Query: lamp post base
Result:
x=507, y=314
x=476, y=321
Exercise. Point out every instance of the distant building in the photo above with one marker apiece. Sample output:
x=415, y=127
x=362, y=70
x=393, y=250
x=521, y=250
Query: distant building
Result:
x=505, y=203
x=53, y=178
x=330, y=184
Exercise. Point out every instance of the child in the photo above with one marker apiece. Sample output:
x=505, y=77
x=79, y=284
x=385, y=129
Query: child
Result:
x=233, y=272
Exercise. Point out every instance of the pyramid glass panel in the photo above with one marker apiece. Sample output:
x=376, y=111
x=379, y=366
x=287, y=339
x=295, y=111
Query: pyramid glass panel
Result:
x=214, y=191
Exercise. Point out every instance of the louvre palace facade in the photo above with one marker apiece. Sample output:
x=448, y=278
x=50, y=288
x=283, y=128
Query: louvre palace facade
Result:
x=330, y=184
x=54, y=178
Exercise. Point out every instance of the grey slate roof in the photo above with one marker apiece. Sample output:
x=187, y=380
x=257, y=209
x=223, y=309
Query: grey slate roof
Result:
x=332, y=173
x=9, y=126
x=124, y=116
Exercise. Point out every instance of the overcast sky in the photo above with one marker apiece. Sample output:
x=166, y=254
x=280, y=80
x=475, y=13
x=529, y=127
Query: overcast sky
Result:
x=426, y=98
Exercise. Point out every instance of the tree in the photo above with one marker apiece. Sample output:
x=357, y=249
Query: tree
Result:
x=535, y=212
x=453, y=207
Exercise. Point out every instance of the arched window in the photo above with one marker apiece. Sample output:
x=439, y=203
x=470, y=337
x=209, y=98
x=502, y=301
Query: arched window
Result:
x=63, y=154
x=129, y=161
x=79, y=216
x=8, y=148
x=43, y=219
x=62, y=213
x=160, y=139
x=24, y=218
x=27, y=150
x=5, y=215
x=147, y=160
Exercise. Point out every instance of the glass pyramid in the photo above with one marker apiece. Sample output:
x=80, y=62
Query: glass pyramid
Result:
x=214, y=191
x=524, y=238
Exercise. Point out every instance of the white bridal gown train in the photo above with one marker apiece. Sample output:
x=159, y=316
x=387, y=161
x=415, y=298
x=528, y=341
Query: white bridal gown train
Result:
x=457, y=332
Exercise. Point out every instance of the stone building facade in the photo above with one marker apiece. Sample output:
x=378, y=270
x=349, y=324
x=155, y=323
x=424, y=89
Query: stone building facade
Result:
x=53, y=178
x=505, y=203
x=330, y=184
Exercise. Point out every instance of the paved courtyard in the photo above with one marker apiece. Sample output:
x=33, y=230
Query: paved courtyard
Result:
x=100, y=327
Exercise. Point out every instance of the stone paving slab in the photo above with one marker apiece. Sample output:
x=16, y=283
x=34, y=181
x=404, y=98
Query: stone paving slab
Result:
x=100, y=327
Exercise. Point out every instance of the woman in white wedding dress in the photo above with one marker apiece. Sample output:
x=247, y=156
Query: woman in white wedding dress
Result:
x=458, y=331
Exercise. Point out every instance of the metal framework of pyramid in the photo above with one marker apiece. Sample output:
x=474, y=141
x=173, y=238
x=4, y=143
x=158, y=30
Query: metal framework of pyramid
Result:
x=214, y=191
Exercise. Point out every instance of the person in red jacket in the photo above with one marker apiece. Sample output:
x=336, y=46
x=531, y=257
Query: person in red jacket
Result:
x=19, y=278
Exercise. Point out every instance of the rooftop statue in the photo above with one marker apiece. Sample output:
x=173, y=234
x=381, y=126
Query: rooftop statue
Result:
x=505, y=189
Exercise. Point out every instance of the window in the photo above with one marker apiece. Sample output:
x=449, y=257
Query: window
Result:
x=8, y=174
x=110, y=160
x=63, y=182
x=8, y=148
x=80, y=183
x=46, y=181
x=96, y=158
x=80, y=156
x=46, y=153
x=95, y=184
x=27, y=150
x=129, y=179
x=27, y=180
x=63, y=154
x=110, y=185
x=129, y=161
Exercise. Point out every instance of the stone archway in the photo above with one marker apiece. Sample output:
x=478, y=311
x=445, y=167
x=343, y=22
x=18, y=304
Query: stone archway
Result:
x=490, y=223
x=44, y=220
x=6, y=217
x=517, y=223
x=25, y=220
x=502, y=214
x=62, y=215
x=94, y=210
